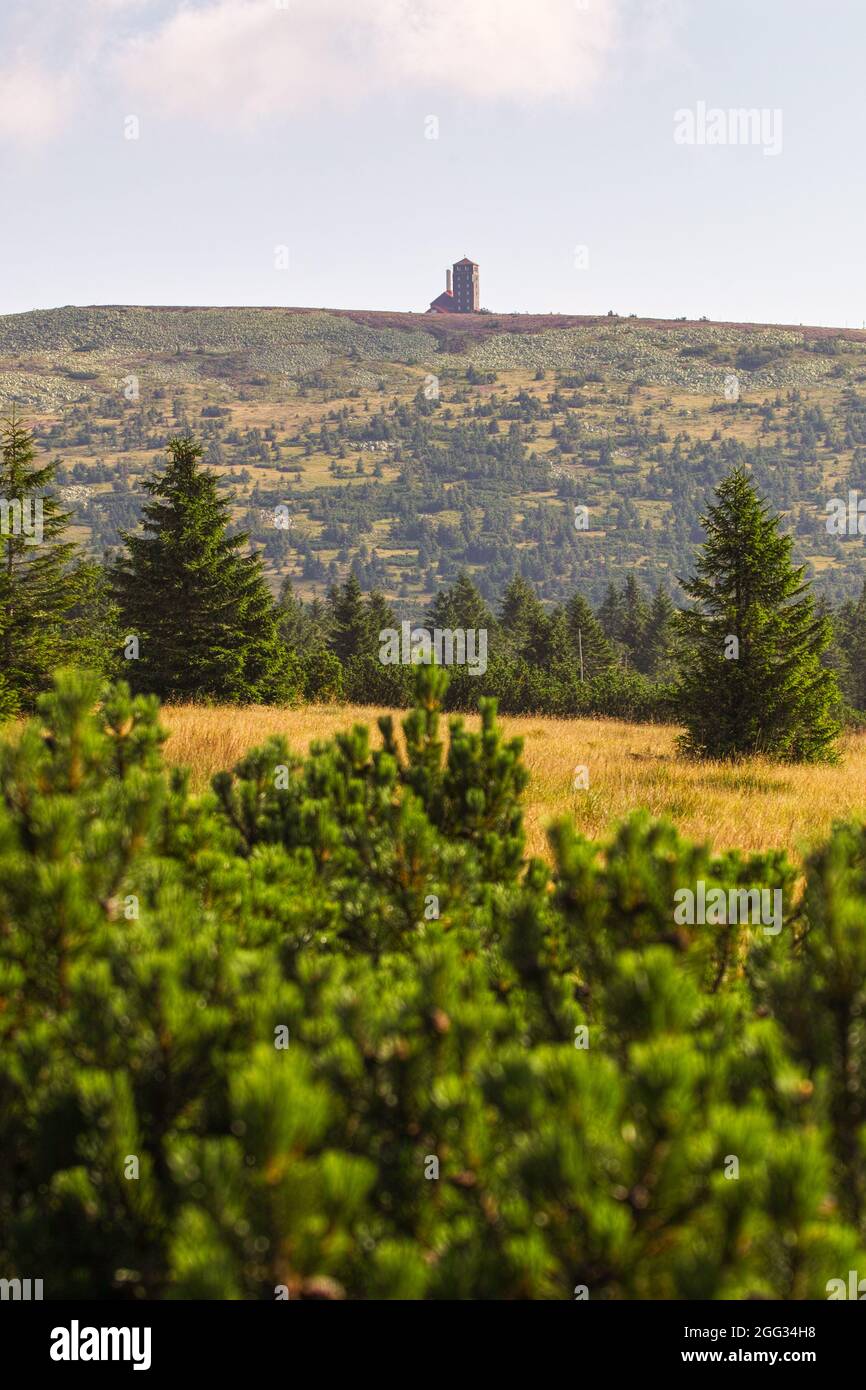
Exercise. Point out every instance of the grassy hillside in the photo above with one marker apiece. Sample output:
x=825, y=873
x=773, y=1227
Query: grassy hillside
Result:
x=754, y=806
x=410, y=446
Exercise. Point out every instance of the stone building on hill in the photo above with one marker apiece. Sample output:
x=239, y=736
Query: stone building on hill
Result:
x=461, y=294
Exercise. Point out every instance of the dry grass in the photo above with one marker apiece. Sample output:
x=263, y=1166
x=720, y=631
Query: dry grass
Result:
x=752, y=806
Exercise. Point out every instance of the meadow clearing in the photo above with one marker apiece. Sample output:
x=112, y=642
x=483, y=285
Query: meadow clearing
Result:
x=753, y=805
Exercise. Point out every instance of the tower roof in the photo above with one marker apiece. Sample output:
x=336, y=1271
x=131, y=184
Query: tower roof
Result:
x=465, y=261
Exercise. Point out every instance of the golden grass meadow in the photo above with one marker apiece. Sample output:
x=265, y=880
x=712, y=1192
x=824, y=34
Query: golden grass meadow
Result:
x=752, y=805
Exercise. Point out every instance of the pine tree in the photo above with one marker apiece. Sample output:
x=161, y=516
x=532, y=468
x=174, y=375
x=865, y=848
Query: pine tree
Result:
x=461, y=606
x=587, y=638
x=635, y=621
x=206, y=625
x=350, y=629
x=850, y=649
x=655, y=658
x=379, y=614
x=549, y=646
x=294, y=622
x=93, y=622
x=37, y=587
x=521, y=614
x=612, y=614
x=366, y=680
x=751, y=679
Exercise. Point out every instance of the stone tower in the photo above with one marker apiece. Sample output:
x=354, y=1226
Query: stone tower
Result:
x=467, y=297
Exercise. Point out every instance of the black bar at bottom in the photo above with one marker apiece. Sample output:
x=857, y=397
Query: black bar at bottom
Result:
x=156, y=1339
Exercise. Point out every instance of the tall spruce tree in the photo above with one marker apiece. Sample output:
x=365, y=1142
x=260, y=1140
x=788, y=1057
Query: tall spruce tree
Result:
x=521, y=615
x=751, y=679
x=549, y=646
x=206, y=624
x=612, y=614
x=354, y=622
x=461, y=606
x=654, y=658
x=379, y=615
x=38, y=588
x=635, y=622
x=294, y=623
x=93, y=621
x=849, y=651
x=587, y=638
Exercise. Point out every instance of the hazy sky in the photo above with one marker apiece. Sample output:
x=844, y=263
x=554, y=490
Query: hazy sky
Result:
x=283, y=154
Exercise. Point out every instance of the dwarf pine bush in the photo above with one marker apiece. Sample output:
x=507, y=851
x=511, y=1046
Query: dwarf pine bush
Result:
x=325, y=1033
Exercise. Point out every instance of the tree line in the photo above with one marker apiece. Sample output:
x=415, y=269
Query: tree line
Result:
x=184, y=612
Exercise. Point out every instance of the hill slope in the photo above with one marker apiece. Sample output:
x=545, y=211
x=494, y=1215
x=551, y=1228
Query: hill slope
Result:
x=412, y=445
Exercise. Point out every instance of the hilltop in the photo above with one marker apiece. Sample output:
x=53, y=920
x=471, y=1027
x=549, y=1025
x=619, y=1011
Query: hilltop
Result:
x=45, y=343
x=410, y=445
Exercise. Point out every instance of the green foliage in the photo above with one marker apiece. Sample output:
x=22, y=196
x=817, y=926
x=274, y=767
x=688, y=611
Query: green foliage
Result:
x=201, y=611
x=93, y=622
x=521, y=614
x=37, y=588
x=534, y=657
x=433, y=1126
x=350, y=629
x=460, y=606
x=751, y=677
x=593, y=649
x=657, y=657
x=849, y=650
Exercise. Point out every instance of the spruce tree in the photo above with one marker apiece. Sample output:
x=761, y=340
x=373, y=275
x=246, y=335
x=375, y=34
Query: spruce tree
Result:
x=365, y=679
x=655, y=657
x=305, y=628
x=350, y=627
x=379, y=615
x=635, y=621
x=521, y=615
x=587, y=638
x=93, y=621
x=206, y=624
x=549, y=645
x=850, y=649
x=751, y=679
x=294, y=624
x=461, y=606
x=303, y=625
x=612, y=614
x=37, y=587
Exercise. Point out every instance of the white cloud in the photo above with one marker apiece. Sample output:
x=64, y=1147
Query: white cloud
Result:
x=238, y=62
x=50, y=54
x=231, y=60
x=34, y=102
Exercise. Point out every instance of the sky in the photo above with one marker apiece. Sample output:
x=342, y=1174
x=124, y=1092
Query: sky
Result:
x=658, y=157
